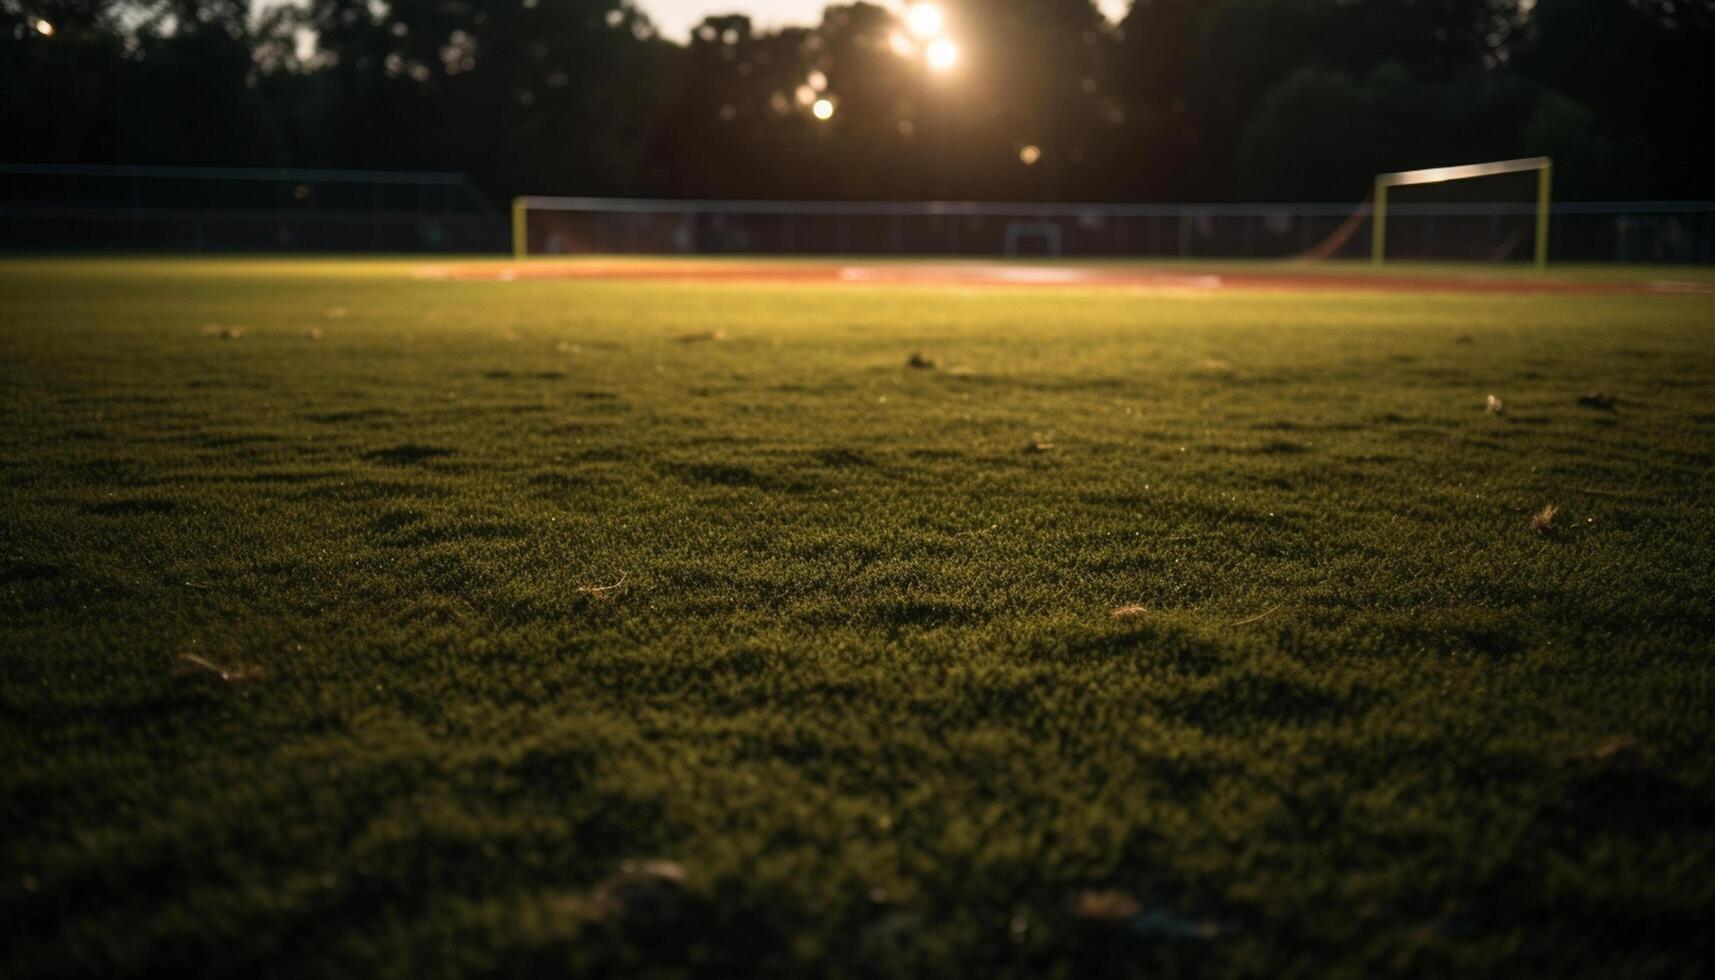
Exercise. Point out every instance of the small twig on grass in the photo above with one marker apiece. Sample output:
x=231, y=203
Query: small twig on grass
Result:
x=976, y=530
x=1259, y=616
x=238, y=675
x=603, y=589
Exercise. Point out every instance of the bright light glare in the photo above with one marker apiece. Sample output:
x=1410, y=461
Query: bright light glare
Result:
x=1029, y=154
x=823, y=109
x=902, y=45
x=817, y=81
x=44, y=28
x=942, y=54
x=924, y=19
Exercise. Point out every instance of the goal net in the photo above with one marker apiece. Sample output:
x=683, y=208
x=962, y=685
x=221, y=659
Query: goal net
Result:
x=1486, y=212
x=556, y=226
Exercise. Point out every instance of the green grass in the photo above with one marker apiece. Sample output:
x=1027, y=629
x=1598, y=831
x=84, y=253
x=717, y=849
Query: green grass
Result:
x=861, y=678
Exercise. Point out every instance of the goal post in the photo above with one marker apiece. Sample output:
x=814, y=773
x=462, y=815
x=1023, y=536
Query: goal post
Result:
x=1543, y=166
x=520, y=230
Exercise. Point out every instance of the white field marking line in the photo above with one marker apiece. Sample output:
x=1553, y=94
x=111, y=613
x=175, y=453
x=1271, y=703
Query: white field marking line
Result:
x=1021, y=275
x=938, y=273
x=1187, y=282
x=1668, y=286
x=1035, y=274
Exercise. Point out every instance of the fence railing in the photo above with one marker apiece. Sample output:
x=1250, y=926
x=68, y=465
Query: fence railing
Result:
x=1579, y=231
x=60, y=207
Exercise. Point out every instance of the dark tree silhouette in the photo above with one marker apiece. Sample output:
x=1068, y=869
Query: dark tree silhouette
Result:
x=1182, y=100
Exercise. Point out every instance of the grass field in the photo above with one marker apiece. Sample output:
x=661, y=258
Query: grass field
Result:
x=359, y=625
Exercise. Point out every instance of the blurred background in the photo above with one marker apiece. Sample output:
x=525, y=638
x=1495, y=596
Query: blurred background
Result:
x=995, y=100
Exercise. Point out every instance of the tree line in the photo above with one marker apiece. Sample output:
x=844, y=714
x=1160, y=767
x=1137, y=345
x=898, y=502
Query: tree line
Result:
x=1182, y=100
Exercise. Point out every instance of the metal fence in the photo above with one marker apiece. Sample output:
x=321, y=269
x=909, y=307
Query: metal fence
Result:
x=51, y=207
x=1603, y=231
x=54, y=207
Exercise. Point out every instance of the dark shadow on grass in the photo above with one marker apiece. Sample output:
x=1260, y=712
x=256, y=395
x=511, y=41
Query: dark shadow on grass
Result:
x=920, y=613
x=1278, y=447
x=1604, y=806
x=513, y=376
x=356, y=415
x=1148, y=646
x=412, y=535
x=395, y=520
x=368, y=490
x=1250, y=699
x=551, y=481
x=735, y=476
x=602, y=454
x=840, y=458
x=235, y=440
x=132, y=508
x=409, y=454
x=19, y=570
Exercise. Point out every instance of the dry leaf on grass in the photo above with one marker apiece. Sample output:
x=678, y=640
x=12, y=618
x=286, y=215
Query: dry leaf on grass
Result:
x=706, y=337
x=647, y=889
x=1544, y=520
x=1494, y=406
x=1624, y=752
x=1106, y=905
x=1128, y=611
x=1111, y=905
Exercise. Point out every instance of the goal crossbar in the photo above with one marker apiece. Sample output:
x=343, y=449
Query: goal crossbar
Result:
x=1543, y=166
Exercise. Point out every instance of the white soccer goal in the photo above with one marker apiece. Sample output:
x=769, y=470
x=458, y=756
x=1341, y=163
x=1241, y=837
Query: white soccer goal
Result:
x=1021, y=233
x=1437, y=175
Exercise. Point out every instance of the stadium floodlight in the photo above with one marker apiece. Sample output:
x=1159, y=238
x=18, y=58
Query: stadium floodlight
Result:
x=1437, y=175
